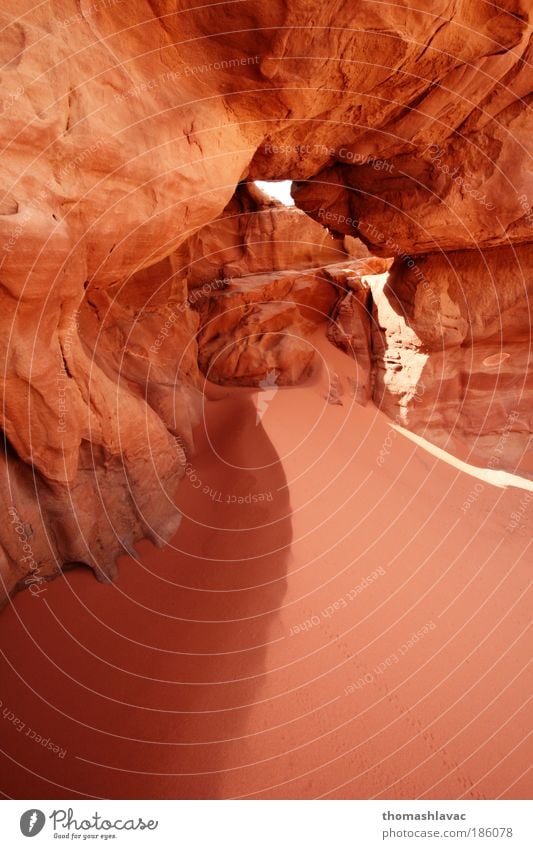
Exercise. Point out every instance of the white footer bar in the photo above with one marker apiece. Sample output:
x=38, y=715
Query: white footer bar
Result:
x=268, y=824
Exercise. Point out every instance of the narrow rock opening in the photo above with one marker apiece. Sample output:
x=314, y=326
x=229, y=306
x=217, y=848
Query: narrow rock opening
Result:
x=278, y=189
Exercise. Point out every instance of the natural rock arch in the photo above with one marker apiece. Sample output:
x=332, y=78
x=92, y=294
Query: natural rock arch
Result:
x=125, y=132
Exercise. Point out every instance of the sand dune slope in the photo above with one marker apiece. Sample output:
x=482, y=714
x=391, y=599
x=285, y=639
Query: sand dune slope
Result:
x=342, y=614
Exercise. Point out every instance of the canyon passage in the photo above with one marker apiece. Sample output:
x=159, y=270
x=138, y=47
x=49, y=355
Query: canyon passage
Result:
x=267, y=477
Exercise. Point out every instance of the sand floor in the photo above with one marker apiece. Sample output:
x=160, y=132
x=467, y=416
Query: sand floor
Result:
x=322, y=625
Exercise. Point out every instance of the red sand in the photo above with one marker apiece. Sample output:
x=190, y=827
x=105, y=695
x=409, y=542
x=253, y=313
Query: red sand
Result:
x=193, y=676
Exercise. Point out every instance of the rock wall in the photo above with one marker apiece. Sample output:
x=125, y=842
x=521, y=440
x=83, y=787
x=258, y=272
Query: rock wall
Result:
x=262, y=277
x=452, y=348
x=440, y=344
x=127, y=127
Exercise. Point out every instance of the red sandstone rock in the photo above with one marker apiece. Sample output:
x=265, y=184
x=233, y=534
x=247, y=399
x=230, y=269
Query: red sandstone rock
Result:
x=350, y=330
x=250, y=325
x=451, y=339
x=261, y=323
x=128, y=129
x=255, y=235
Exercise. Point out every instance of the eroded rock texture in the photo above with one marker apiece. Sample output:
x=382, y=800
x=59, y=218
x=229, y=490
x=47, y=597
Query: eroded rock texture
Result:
x=256, y=234
x=452, y=353
x=350, y=329
x=262, y=277
x=127, y=127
